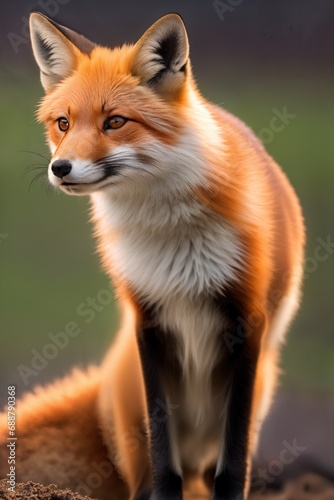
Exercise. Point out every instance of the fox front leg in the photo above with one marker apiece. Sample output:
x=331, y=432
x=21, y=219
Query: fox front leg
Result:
x=166, y=482
x=231, y=480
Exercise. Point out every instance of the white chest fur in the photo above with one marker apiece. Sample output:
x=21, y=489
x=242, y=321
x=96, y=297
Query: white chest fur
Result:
x=174, y=261
x=191, y=255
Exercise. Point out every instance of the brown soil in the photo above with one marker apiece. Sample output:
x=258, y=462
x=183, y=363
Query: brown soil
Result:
x=306, y=487
x=34, y=491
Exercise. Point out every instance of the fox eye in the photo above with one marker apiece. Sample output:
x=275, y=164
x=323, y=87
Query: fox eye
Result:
x=63, y=124
x=114, y=122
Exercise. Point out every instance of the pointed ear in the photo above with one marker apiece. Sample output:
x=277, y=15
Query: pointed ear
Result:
x=56, y=49
x=161, y=55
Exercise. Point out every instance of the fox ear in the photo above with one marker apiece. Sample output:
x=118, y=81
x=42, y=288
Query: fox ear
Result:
x=56, y=49
x=161, y=55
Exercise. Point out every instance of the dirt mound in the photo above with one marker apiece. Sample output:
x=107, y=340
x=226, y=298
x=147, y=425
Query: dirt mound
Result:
x=34, y=491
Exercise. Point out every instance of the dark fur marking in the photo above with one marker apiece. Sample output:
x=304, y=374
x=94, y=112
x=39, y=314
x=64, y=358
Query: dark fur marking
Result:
x=167, y=48
x=111, y=167
x=156, y=78
x=152, y=348
x=183, y=69
x=45, y=49
x=230, y=482
x=167, y=51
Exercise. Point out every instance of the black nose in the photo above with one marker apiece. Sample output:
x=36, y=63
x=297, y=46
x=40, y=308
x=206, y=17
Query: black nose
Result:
x=61, y=168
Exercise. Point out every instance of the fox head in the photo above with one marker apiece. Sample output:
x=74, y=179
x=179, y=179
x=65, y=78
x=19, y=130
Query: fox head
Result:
x=122, y=116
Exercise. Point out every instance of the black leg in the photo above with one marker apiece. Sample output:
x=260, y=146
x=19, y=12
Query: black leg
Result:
x=167, y=484
x=230, y=481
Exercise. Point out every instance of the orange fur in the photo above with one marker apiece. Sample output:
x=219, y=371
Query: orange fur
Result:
x=59, y=438
x=236, y=184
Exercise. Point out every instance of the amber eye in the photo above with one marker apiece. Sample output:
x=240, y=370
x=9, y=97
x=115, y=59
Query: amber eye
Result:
x=114, y=122
x=63, y=124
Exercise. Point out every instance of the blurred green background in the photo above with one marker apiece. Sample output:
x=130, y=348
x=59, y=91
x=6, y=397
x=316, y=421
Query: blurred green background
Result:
x=254, y=59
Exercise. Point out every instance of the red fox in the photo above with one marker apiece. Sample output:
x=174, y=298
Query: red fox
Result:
x=203, y=237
